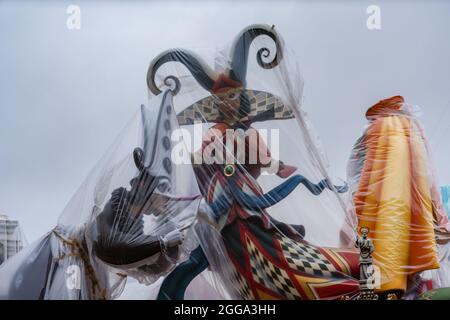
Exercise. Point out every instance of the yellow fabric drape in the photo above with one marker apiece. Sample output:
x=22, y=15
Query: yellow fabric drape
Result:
x=394, y=200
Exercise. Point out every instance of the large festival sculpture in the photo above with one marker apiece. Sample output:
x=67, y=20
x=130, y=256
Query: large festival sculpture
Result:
x=220, y=182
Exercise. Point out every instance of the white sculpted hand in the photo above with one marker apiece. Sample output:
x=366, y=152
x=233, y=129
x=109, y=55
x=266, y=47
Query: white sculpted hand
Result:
x=173, y=238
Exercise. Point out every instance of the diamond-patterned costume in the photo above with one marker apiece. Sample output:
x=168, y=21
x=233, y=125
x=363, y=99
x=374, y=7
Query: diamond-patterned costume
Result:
x=263, y=106
x=281, y=265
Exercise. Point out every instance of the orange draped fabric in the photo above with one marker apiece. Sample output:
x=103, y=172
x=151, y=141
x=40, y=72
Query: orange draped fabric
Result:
x=394, y=198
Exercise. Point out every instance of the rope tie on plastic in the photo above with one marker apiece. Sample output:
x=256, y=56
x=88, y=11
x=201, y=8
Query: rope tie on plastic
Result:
x=79, y=252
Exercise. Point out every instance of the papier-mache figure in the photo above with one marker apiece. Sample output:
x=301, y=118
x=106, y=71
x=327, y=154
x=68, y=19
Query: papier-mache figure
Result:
x=396, y=197
x=128, y=218
x=121, y=240
x=252, y=209
x=122, y=216
x=366, y=269
x=254, y=254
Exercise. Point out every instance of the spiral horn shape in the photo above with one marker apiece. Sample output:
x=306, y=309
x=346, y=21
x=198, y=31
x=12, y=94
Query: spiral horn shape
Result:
x=204, y=75
x=240, y=51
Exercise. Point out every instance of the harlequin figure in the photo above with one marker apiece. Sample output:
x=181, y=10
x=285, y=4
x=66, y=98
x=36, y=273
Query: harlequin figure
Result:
x=270, y=259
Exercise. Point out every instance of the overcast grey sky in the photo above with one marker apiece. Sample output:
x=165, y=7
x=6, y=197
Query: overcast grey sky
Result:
x=65, y=94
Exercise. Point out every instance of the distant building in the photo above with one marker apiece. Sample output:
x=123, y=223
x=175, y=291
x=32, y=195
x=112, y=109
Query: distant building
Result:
x=11, y=238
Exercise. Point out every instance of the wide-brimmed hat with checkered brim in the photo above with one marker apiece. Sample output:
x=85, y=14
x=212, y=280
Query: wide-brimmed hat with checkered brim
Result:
x=263, y=106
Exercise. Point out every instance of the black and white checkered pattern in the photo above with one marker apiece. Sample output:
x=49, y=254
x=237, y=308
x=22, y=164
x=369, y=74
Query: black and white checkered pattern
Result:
x=306, y=258
x=205, y=110
x=242, y=287
x=270, y=276
x=261, y=102
x=201, y=111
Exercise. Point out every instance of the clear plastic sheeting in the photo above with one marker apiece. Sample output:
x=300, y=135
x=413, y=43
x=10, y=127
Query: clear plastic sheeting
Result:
x=396, y=196
x=219, y=189
x=272, y=224
x=128, y=218
x=201, y=288
x=445, y=193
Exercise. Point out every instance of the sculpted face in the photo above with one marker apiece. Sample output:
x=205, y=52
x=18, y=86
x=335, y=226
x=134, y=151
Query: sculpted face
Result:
x=228, y=102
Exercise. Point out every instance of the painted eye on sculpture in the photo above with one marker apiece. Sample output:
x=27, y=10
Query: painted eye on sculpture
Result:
x=163, y=187
x=233, y=96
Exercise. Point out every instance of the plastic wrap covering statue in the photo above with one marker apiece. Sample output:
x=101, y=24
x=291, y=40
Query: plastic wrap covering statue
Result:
x=396, y=196
x=221, y=182
x=445, y=193
x=273, y=225
x=151, y=194
x=128, y=218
